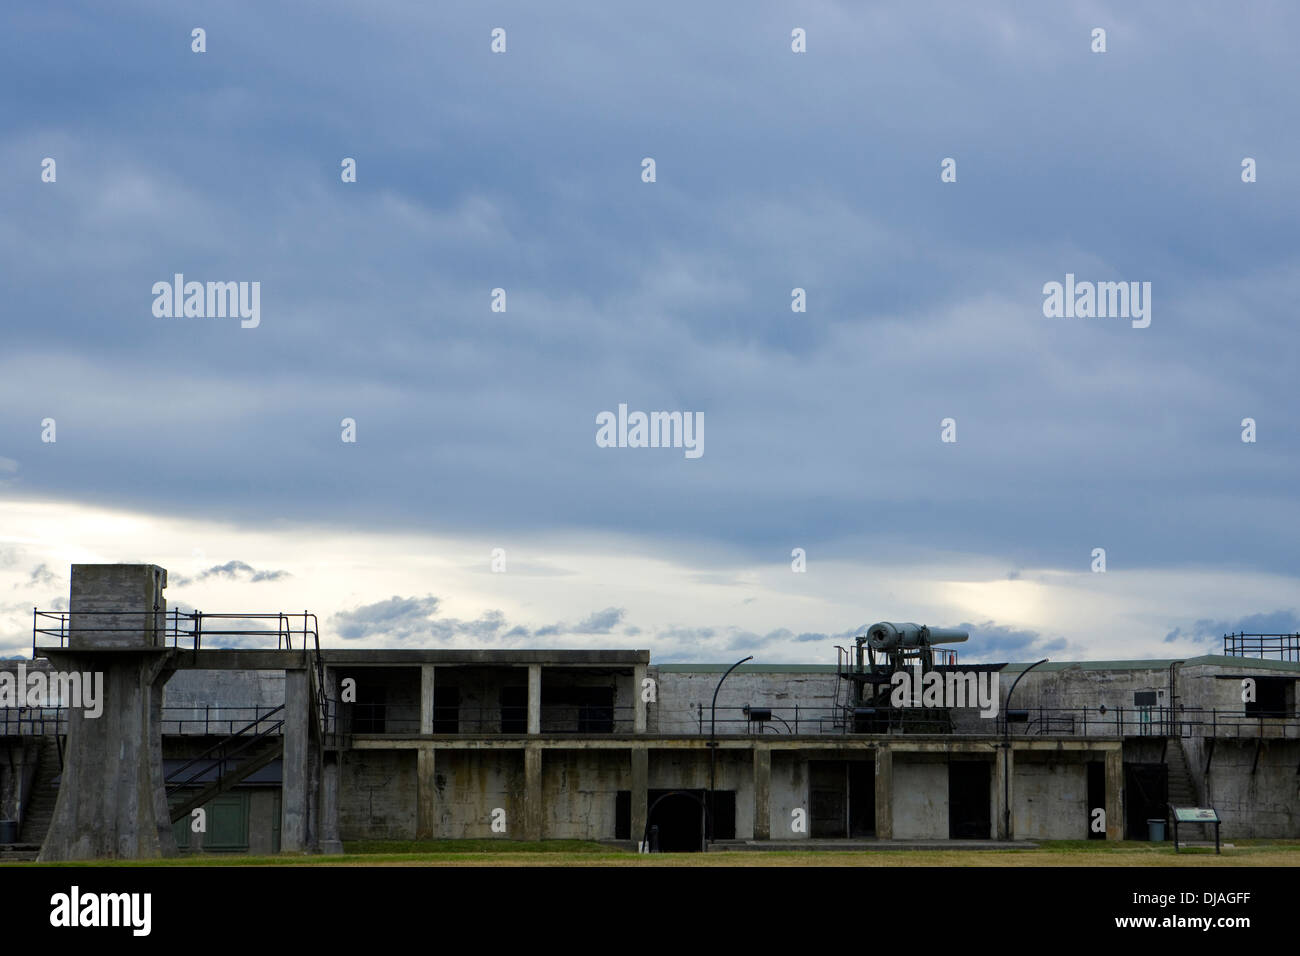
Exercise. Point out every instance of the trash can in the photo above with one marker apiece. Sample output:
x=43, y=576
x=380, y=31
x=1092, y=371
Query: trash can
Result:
x=8, y=831
x=1156, y=831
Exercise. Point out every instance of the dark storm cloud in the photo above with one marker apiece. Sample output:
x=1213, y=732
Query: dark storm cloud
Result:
x=522, y=171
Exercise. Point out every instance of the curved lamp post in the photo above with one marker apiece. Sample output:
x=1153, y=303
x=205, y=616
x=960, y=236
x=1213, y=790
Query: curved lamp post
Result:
x=1006, y=743
x=713, y=746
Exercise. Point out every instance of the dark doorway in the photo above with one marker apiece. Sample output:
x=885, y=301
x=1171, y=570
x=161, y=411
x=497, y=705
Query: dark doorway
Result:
x=1096, y=795
x=829, y=798
x=842, y=798
x=969, y=814
x=680, y=819
x=1146, y=797
x=623, y=815
x=1271, y=695
x=862, y=799
x=724, y=814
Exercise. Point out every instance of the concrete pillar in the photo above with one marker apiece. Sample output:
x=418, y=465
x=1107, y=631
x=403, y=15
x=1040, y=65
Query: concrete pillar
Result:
x=534, y=698
x=424, y=791
x=534, y=812
x=1115, y=794
x=112, y=803
x=329, y=805
x=1004, y=785
x=762, y=793
x=640, y=791
x=638, y=700
x=426, y=698
x=884, y=792
x=295, y=806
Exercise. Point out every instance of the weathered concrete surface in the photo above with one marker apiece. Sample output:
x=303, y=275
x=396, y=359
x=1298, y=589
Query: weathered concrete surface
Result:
x=1114, y=795
x=378, y=795
x=299, y=830
x=679, y=692
x=1004, y=793
x=689, y=770
x=428, y=679
x=222, y=697
x=639, y=784
x=534, y=812
x=1252, y=783
x=111, y=801
x=920, y=797
x=1050, y=799
x=470, y=786
x=790, y=785
x=425, y=793
x=579, y=793
x=762, y=794
x=117, y=606
x=884, y=782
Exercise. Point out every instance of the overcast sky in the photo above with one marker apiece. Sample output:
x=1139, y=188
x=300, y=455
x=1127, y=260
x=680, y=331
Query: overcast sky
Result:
x=217, y=452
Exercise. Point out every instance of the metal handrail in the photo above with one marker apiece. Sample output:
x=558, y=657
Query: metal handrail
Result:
x=210, y=762
x=1241, y=644
x=179, y=628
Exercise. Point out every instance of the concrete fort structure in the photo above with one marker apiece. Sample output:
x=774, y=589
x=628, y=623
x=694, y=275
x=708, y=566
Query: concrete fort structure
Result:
x=287, y=746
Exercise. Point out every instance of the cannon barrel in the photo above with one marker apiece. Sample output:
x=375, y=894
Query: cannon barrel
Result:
x=885, y=636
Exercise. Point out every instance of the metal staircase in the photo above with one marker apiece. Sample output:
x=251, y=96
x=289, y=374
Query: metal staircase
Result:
x=231, y=760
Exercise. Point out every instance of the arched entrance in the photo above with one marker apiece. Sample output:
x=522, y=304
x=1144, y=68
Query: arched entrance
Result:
x=680, y=817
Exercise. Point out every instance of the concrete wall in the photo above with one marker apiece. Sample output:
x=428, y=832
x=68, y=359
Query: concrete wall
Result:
x=689, y=770
x=1049, y=797
x=679, y=692
x=97, y=589
x=469, y=785
x=219, y=695
x=1262, y=804
x=790, y=792
x=920, y=797
x=377, y=795
x=580, y=790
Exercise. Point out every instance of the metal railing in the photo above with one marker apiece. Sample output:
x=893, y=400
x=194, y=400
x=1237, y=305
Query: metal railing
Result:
x=181, y=721
x=1026, y=722
x=220, y=757
x=33, y=721
x=205, y=720
x=1282, y=647
x=176, y=628
x=194, y=630
x=453, y=719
